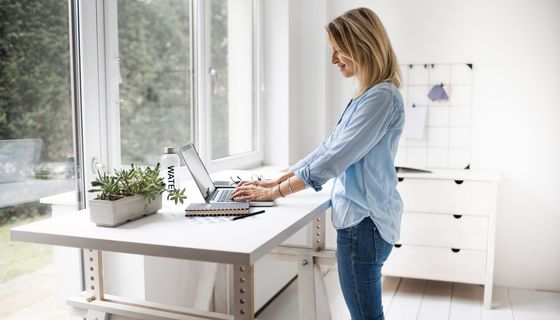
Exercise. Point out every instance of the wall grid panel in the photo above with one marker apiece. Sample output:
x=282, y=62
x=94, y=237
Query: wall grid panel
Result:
x=446, y=142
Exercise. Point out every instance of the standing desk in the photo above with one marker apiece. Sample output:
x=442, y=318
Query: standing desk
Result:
x=239, y=243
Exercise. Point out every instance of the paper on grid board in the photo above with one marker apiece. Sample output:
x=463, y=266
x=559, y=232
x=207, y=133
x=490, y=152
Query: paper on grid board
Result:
x=414, y=122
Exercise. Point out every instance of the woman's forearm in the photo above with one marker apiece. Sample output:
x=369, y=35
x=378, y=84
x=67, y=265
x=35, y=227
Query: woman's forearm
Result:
x=285, y=176
x=291, y=184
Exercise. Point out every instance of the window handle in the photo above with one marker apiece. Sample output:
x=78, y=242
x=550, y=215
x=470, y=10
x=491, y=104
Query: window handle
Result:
x=213, y=80
x=97, y=166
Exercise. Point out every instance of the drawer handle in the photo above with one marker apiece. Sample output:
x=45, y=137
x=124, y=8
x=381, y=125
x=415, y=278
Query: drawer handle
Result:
x=459, y=181
x=401, y=179
x=457, y=216
x=397, y=245
x=455, y=250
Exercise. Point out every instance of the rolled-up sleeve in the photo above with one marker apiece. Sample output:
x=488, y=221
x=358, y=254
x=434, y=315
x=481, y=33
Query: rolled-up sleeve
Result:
x=318, y=152
x=368, y=125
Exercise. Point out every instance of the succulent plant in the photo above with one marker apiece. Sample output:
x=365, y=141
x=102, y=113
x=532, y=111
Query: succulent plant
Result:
x=136, y=180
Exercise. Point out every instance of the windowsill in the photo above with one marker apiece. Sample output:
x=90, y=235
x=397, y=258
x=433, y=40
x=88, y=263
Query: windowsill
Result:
x=269, y=168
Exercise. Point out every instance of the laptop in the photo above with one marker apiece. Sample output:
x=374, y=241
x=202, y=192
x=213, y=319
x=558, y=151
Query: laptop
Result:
x=209, y=190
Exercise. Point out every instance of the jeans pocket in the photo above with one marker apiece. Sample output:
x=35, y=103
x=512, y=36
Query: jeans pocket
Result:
x=382, y=247
x=345, y=241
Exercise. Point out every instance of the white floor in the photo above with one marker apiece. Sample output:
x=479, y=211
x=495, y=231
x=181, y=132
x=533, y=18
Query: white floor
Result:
x=405, y=299
x=32, y=297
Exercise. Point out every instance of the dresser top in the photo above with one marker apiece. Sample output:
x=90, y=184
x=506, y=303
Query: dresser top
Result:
x=454, y=174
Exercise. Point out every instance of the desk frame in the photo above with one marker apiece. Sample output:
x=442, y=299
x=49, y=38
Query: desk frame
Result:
x=313, y=300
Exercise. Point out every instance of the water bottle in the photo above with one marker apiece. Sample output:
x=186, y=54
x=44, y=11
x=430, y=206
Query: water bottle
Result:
x=168, y=168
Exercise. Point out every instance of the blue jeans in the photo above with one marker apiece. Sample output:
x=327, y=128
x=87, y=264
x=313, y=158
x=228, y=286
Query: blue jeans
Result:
x=360, y=255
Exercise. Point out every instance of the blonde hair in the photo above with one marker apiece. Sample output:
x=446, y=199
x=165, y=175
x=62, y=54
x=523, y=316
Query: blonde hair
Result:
x=360, y=35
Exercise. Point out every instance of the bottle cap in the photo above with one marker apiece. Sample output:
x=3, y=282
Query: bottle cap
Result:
x=169, y=150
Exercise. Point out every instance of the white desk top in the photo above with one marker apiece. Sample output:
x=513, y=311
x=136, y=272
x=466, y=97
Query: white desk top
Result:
x=169, y=234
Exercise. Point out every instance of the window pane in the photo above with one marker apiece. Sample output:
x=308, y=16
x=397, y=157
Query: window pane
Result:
x=155, y=89
x=231, y=77
x=36, y=123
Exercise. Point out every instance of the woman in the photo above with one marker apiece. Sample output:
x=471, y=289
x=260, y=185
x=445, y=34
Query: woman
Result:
x=359, y=153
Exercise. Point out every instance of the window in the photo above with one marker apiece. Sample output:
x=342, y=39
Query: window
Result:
x=37, y=138
x=181, y=71
x=232, y=78
x=155, y=86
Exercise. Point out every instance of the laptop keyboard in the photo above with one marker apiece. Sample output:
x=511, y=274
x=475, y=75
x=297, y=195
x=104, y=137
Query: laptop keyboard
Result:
x=224, y=195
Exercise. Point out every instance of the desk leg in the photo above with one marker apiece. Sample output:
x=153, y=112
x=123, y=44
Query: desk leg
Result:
x=318, y=233
x=323, y=310
x=94, y=282
x=243, y=292
x=313, y=300
x=321, y=299
x=488, y=295
x=94, y=275
x=306, y=288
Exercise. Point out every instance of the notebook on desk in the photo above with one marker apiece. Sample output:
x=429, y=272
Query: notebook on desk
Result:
x=217, y=209
x=209, y=190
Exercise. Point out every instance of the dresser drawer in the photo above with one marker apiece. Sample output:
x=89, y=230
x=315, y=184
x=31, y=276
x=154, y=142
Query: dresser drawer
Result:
x=436, y=264
x=444, y=230
x=445, y=196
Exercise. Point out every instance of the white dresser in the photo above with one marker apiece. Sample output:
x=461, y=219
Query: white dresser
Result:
x=448, y=228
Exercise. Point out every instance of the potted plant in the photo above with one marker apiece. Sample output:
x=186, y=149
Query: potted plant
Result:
x=128, y=195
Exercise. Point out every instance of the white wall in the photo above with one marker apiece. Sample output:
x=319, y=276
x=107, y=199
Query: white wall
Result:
x=276, y=95
x=295, y=78
x=308, y=56
x=240, y=75
x=515, y=48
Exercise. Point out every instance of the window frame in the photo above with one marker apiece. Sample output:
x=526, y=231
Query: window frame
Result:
x=202, y=134
x=108, y=113
x=95, y=75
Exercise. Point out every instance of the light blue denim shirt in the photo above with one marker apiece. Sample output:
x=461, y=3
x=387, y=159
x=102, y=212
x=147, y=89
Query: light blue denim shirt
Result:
x=360, y=155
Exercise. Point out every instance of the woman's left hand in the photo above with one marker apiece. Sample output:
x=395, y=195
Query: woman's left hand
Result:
x=251, y=192
x=264, y=183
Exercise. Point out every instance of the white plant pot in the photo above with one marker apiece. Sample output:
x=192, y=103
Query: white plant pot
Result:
x=106, y=213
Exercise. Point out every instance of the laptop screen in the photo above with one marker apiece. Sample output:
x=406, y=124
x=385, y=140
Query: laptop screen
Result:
x=197, y=169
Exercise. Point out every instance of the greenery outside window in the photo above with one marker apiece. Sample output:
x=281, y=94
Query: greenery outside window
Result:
x=181, y=71
x=38, y=159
